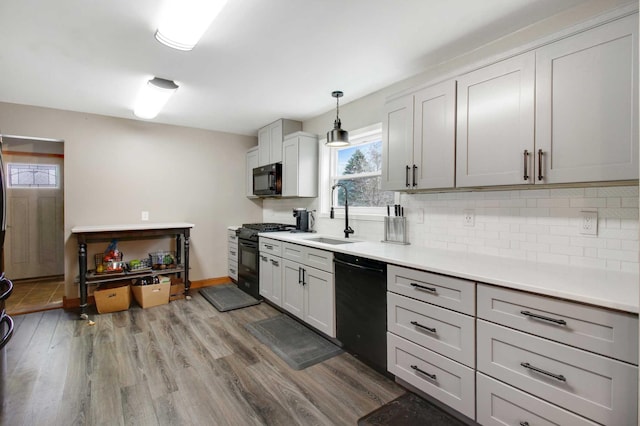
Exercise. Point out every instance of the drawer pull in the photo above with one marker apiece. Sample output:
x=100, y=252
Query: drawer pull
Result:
x=263, y=258
x=431, y=376
x=268, y=246
x=543, y=318
x=421, y=287
x=524, y=423
x=417, y=324
x=541, y=371
x=233, y=253
x=275, y=262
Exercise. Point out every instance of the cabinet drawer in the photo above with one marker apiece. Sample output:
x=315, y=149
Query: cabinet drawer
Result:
x=446, y=332
x=233, y=270
x=320, y=259
x=499, y=404
x=233, y=251
x=274, y=247
x=599, y=388
x=448, y=292
x=598, y=330
x=231, y=236
x=451, y=383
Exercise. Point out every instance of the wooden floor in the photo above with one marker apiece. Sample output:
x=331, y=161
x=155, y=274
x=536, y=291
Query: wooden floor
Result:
x=183, y=363
x=35, y=295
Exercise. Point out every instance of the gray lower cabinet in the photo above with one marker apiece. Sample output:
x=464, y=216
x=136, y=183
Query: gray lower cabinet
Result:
x=576, y=358
x=508, y=357
x=429, y=344
x=308, y=290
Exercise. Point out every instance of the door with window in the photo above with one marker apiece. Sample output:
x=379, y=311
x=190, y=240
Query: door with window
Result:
x=34, y=243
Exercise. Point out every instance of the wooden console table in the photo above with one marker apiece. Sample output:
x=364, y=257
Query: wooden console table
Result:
x=92, y=234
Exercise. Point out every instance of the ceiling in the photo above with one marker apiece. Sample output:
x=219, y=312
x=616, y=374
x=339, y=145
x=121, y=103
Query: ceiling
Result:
x=259, y=61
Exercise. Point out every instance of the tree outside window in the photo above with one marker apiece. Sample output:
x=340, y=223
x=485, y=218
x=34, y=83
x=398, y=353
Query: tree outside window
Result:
x=358, y=167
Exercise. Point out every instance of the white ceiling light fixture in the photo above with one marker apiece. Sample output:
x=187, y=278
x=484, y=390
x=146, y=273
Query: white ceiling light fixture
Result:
x=153, y=96
x=337, y=136
x=183, y=22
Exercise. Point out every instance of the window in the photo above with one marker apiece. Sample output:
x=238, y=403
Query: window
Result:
x=32, y=175
x=358, y=167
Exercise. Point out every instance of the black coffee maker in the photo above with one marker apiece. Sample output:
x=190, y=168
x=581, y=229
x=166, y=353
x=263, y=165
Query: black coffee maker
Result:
x=304, y=220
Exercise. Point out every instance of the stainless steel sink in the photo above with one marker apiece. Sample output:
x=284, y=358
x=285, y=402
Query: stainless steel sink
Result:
x=329, y=241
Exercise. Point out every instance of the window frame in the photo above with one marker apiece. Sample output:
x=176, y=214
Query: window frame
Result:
x=35, y=166
x=328, y=170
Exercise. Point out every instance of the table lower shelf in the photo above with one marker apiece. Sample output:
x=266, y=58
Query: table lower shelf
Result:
x=94, y=278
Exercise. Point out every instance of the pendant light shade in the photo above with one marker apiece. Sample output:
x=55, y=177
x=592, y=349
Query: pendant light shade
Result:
x=337, y=136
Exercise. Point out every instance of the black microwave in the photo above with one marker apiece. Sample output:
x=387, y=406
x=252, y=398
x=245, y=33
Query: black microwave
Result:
x=267, y=180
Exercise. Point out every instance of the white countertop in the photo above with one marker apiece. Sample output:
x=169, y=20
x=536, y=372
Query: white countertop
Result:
x=234, y=227
x=129, y=227
x=609, y=289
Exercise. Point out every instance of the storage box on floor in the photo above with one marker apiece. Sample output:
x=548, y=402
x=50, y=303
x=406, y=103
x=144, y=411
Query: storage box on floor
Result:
x=177, y=289
x=151, y=295
x=112, y=297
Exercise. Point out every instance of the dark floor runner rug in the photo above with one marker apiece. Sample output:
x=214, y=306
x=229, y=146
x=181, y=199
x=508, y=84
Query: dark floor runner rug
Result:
x=227, y=297
x=298, y=346
x=409, y=410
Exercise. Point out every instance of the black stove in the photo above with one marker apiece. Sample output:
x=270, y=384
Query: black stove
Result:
x=249, y=231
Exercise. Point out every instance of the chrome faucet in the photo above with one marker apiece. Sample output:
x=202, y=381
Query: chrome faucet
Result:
x=347, y=228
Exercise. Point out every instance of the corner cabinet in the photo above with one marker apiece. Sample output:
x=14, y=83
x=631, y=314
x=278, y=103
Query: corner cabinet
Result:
x=419, y=139
x=252, y=163
x=300, y=165
x=270, y=140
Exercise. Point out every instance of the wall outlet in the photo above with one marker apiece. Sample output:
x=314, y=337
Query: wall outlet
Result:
x=469, y=218
x=589, y=223
x=144, y=215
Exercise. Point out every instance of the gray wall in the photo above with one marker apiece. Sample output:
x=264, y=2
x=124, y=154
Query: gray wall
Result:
x=115, y=168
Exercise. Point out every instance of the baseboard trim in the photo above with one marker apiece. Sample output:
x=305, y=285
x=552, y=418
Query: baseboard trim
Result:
x=74, y=303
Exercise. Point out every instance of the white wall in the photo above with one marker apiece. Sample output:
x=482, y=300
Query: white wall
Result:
x=115, y=168
x=541, y=225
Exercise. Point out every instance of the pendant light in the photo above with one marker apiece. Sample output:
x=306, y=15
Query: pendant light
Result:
x=337, y=136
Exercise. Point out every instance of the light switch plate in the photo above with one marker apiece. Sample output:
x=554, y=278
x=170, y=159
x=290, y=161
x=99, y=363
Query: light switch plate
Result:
x=144, y=215
x=588, y=223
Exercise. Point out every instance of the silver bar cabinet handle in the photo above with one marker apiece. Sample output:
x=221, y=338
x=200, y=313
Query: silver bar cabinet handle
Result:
x=545, y=372
x=406, y=176
x=526, y=165
x=543, y=318
x=415, y=182
x=417, y=324
x=431, y=376
x=421, y=287
x=524, y=423
x=540, y=177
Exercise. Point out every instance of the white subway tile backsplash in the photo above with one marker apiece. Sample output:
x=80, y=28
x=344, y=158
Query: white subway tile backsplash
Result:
x=540, y=225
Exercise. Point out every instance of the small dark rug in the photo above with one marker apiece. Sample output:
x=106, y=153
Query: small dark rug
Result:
x=227, y=297
x=298, y=346
x=409, y=410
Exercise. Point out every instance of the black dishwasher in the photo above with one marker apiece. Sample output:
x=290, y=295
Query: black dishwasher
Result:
x=361, y=308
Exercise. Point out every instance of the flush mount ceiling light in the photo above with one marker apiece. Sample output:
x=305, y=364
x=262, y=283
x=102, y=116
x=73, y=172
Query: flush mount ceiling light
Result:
x=337, y=136
x=153, y=96
x=183, y=22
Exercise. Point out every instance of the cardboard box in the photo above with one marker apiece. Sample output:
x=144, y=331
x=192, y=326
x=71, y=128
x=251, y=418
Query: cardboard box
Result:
x=148, y=296
x=112, y=297
x=176, y=292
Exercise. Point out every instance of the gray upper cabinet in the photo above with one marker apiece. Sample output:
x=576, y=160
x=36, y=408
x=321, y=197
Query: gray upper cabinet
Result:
x=495, y=124
x=587, y=105
x=252, y=163
x=565, y=112
x=419, y=139
x=300, y=165
x=270, y=140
